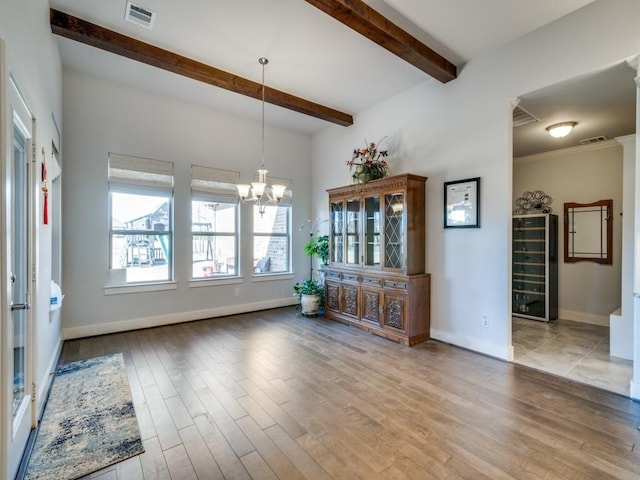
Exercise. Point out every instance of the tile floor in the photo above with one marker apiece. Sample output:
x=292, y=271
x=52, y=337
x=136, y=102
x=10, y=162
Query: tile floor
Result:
x=575, y=350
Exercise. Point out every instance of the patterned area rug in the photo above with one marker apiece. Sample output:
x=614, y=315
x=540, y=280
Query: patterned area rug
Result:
x=89, y=422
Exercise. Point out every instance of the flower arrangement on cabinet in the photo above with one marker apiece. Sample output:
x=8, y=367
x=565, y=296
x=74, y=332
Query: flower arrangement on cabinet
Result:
x=369, y=163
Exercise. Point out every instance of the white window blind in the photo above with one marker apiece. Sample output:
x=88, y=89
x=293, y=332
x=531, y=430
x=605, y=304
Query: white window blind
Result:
x=140, y=172
x=215, y=183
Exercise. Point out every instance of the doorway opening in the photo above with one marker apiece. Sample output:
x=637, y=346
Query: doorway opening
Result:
x=586, y=166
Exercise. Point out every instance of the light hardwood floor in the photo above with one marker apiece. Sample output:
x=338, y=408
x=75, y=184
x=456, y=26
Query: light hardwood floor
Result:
x=271, y=395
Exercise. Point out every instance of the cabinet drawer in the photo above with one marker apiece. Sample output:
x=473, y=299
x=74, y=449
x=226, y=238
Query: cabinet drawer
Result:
x=350, y=277
x=331, y=275
x=395, y=284
x=371, y=281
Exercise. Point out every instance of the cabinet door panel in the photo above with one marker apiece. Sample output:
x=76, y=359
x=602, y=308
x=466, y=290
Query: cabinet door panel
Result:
x=350, y=300
x=371, y=305
x=394, y=314
x=337, y=232
x=333, y=296
x=534, y=270
x=394, y=228
x=372, y=231
x=353, y=232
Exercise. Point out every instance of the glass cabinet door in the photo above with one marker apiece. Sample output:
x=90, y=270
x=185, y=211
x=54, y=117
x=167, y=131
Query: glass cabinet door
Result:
x=372, y=230
x=353, y=232
x=394, y=230
x=529, y=266
x=337, y=232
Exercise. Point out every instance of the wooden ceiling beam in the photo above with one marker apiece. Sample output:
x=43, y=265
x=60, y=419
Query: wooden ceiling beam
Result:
x=360, y=17
x=88, y=33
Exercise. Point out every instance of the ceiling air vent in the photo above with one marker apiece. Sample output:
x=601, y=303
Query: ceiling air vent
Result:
x=589, y=141
x=139, y=15
x=522, y=117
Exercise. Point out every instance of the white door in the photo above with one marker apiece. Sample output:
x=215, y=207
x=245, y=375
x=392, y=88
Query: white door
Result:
x=17, y=332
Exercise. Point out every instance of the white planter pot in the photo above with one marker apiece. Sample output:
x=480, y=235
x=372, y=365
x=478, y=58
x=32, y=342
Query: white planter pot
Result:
x=310, y=304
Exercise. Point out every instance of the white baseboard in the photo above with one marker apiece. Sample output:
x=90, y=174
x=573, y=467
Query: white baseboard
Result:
x=502, y=352
x=180, y=317
x=602, y=320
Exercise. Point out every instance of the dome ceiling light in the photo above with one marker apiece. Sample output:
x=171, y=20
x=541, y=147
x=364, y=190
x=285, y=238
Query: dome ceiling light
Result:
x=560, y=130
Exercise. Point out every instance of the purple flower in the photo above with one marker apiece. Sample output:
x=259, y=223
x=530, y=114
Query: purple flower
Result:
x=369, y=161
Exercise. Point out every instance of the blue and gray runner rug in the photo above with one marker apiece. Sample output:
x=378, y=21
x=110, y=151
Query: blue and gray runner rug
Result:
x=89, y=422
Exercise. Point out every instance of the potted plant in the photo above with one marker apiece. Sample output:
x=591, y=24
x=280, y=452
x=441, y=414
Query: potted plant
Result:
x=318, y=246
x=369, y=163
x=310, y=294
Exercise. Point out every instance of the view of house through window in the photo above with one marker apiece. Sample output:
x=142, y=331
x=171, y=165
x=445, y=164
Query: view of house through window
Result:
x=140, y=220
x=214, y=233
x=271, y=239
x=141, y=237
x=141, y=231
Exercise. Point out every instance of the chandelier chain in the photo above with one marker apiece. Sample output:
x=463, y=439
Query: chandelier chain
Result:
x=263, y=62
x=259, y=191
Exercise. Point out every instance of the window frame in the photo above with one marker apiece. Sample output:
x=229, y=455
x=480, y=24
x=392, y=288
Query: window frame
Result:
x=142, y=177
x=170, y=233
x=204, y=197
x=288, y=235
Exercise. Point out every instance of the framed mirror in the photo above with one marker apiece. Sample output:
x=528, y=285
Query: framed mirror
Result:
x=588, y=232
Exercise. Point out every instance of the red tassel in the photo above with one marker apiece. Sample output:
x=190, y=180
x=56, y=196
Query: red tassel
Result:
x=45, y=208
x=45, y=190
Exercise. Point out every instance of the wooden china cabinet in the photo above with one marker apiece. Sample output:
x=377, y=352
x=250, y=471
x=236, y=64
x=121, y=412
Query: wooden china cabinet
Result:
x=376, y=277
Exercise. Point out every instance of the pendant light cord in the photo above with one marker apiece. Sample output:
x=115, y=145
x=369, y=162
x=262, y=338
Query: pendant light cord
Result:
x=263, y=61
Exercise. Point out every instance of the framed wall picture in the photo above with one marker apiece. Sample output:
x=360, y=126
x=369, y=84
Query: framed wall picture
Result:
x=462, y=203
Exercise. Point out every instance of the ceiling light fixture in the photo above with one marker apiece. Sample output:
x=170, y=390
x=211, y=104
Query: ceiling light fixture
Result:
x=258, y=192
x=560, y=130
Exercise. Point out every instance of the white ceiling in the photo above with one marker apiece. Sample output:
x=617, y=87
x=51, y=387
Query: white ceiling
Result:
x=310, y=54
x=602, y=103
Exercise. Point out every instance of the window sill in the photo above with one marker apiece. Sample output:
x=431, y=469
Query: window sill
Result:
x=210, y=282
x=267, y=277
x=140, y=288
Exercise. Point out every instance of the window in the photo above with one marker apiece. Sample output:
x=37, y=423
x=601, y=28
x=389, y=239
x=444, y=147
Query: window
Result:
x=214, y=222
x=140, y=220
x=272, y=235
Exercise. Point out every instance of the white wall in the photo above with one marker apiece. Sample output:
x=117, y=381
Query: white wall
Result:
x=101, y=117
x=32, y=59
x=588, y=292
x=463, y=129
x=34, y=62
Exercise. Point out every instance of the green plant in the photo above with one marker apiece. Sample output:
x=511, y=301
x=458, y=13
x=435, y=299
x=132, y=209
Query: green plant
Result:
x=308, y=287
x=318, y=246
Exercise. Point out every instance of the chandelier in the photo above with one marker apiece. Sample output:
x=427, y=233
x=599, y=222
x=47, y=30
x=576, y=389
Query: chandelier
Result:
x=259, y=192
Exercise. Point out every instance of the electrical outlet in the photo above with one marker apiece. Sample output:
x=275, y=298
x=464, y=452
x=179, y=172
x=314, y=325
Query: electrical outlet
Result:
x=485, y=321
x=237, y=292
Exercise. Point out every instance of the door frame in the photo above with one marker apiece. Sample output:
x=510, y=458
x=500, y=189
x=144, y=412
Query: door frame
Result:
x=14, y=441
